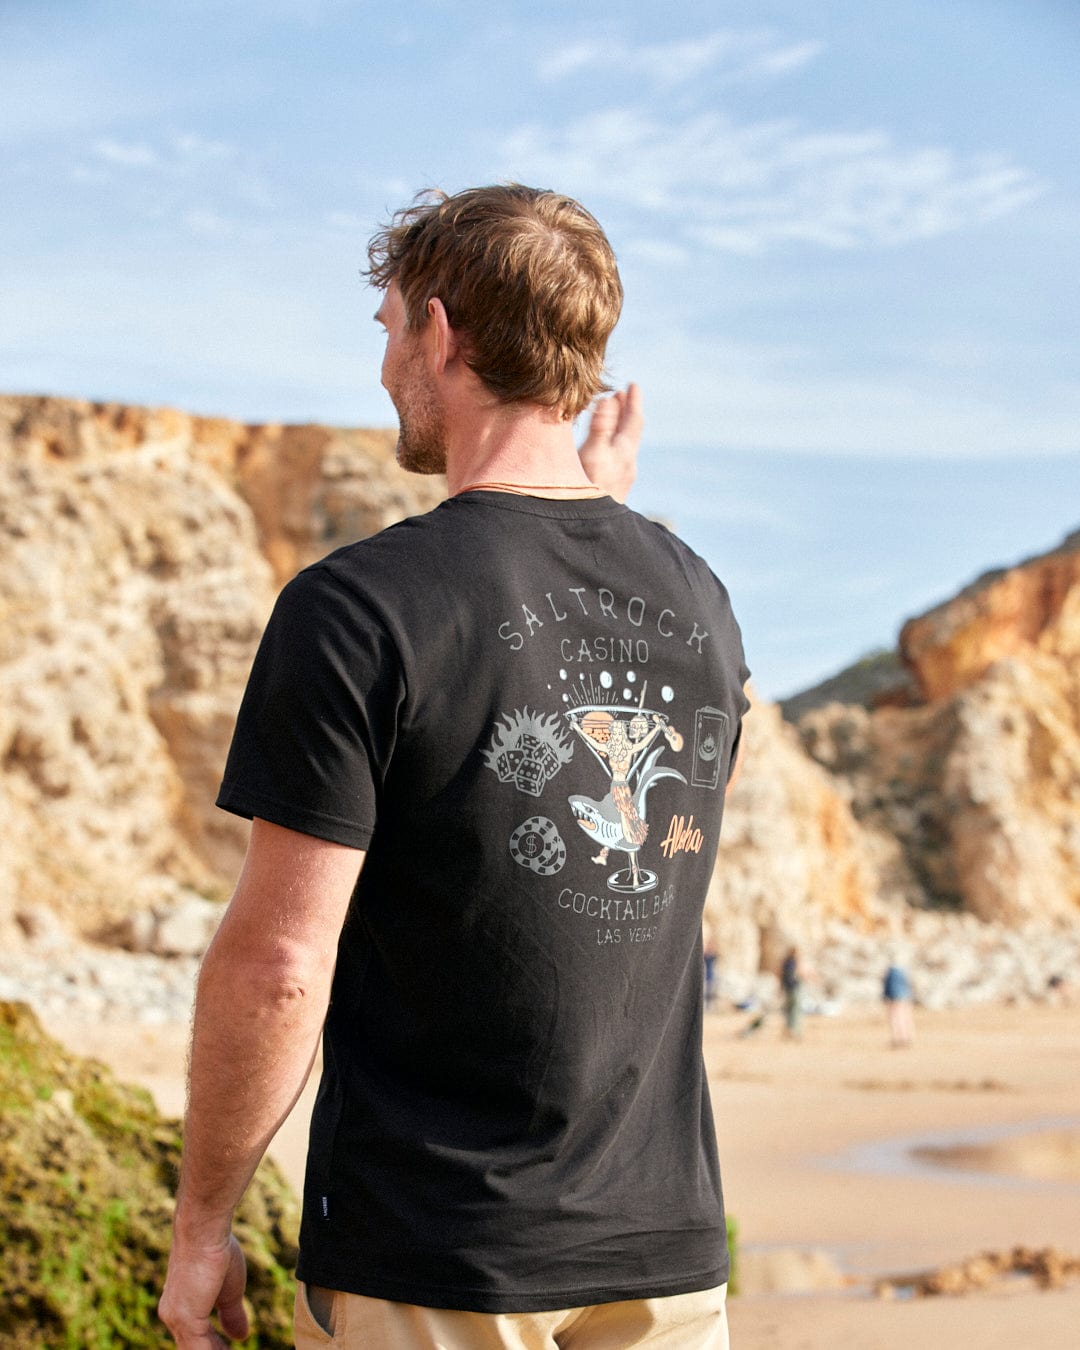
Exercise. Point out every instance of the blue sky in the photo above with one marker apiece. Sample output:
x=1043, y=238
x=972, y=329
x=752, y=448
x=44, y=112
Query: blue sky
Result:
x=849, y=233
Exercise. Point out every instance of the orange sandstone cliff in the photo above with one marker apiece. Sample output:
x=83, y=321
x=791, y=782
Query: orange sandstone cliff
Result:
x=979, y=786
x=140, y=551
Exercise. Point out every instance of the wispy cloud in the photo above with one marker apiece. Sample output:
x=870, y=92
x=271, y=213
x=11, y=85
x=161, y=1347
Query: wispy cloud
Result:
x=731, y=52
x=203, y=185
x=784, y=59
x=750, y=187
x=350, y=222
x=51, y=91
x=181, y=153
x=207, y=223
x=127, y=156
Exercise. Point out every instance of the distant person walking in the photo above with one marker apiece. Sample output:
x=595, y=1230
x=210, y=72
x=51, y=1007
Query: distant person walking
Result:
x=709, y=953
x=791, y=986
x=896, y=991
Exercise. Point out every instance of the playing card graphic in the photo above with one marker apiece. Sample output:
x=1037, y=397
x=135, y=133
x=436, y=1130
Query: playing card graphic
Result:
x=710, y=740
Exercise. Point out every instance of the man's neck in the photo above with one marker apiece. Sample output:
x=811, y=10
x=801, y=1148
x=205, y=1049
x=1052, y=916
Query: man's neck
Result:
x=524, y=450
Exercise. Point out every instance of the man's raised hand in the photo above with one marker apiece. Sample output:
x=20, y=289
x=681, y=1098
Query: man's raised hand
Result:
x=610, y=449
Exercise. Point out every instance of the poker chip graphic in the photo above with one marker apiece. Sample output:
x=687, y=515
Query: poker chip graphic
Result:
x=537, y=845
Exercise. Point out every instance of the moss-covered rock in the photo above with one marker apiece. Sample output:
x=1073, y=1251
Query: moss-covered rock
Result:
x=733, y=1256
x=88, y=1172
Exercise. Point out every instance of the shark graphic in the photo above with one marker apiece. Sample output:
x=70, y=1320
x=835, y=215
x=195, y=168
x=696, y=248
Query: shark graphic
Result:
x=601, y=820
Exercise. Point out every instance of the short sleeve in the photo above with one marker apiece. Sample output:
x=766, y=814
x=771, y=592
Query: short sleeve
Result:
x=730, y=636
x=317, y=724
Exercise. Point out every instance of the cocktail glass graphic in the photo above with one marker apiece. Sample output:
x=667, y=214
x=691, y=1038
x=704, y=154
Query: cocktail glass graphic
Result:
x=621, y=737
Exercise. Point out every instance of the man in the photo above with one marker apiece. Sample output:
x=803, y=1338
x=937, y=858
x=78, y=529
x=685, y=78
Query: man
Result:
x=512, y=1143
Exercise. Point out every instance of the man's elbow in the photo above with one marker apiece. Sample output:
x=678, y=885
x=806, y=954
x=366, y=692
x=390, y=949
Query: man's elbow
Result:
x=275, y=974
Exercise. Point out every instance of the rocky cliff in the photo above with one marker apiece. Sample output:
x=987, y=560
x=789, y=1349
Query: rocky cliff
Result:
x=792, y=855
x=140, y=550
x=917, y=793
x=1019, y=612
x=978, y=784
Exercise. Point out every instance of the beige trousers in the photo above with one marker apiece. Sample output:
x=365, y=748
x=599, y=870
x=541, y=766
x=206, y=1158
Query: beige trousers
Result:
x=353, y=1322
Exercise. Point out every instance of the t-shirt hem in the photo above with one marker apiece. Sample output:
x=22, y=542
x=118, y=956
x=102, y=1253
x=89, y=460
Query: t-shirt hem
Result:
x=466, y=1299
x=321, y=825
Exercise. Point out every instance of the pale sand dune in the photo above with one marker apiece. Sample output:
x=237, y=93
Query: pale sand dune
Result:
x=797, y=1124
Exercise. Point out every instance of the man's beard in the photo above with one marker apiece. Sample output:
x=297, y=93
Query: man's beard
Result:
x=421, y=445
x=421, y=448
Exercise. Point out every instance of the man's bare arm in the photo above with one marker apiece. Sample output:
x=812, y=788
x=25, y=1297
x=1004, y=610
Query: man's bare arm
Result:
x=609, y=452
x=261, y=1002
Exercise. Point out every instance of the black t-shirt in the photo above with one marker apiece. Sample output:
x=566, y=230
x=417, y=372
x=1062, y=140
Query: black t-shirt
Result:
x=526, y=711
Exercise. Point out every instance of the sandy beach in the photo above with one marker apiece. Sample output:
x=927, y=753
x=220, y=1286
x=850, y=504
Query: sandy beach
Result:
x=846, y=1161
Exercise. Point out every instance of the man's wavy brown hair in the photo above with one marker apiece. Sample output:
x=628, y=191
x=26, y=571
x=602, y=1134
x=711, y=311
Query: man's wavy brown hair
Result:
x=527, y=278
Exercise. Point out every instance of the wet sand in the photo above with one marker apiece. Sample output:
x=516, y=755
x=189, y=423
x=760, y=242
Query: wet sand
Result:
x=1043, y=1155
x=817, y=1143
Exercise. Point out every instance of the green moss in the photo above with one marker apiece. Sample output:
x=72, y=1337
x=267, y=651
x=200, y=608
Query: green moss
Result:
x=88, y=1170
x=733, y=1254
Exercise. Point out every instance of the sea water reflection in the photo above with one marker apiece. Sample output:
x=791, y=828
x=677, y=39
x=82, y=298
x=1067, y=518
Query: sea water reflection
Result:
x=1041, y=1153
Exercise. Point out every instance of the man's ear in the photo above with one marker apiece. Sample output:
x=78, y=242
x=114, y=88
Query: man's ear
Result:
x=445, y=341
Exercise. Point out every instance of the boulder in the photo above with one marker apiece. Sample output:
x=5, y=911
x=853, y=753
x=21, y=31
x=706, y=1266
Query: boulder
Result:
x=90, y=1171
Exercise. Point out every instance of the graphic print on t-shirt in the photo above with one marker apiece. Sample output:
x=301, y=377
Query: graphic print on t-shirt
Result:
x=619, y=736
x=528, y=750
x=710, y=736
x=615, y=742
x=537, y=845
